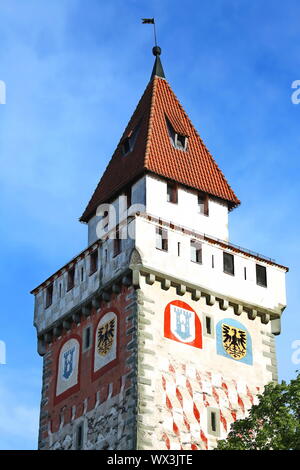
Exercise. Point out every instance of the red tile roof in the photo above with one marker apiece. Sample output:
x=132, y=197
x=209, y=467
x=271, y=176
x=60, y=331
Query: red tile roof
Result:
x=153, y=151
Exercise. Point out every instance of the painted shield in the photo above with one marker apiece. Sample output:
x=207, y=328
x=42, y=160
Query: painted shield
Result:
x=234, y=341
x=105, y=338
x=106, y=341
x=68, y=367
x=182, y=324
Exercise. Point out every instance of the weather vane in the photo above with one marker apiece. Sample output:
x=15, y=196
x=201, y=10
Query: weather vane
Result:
x=150, y=21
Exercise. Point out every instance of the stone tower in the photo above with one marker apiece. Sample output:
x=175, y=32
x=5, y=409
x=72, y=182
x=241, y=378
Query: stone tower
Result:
x=160, y=333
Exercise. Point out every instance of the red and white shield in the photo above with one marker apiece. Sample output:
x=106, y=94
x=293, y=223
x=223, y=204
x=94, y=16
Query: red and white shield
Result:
x=182, y=324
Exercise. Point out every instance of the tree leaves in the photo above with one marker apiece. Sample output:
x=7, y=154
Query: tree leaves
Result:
x=273, y=424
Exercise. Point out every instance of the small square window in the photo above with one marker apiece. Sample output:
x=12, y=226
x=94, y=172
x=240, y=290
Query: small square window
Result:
x=161, y=239
x=93, y=262
x=71, y=279
x=228, y=263
x=196, y=252
x=203, y=201
x=49, y=295
x=172, y=193
x=261, y=275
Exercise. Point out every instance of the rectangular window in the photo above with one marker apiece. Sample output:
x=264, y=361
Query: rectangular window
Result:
x=172, y=193
x=117, y=243
x=178, y=248
x=60, y=290
x=208, y=325
x=49, y=295
x=203, y=203
x=245, y=274
x=213, y=421
x=212, y=261
x=93, y=262
x=228, y=263
x=87, y=338
x=71, y=279
x=79, y=437
x=161, y=239
x=81, y=274
x=196, y=252
x=261, y=275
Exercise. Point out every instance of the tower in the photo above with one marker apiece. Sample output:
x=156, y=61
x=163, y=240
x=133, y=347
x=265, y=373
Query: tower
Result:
x=160, y=333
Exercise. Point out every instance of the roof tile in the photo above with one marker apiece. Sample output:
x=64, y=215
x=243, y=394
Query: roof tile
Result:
x=153, y=152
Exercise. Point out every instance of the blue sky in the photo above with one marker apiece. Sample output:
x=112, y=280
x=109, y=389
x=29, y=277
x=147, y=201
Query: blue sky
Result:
x=74, y=71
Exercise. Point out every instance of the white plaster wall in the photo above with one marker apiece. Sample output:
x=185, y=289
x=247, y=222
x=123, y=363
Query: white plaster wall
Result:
x=273, y=297
x=186, y=211
x=138, y=197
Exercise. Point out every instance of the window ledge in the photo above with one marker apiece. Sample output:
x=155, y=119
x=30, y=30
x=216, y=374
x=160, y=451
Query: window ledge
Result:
x=230, y=274
x=261, y=285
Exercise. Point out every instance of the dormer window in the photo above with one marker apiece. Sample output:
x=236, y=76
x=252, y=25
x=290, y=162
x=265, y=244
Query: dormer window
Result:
x=129, y=141
x=178, y=139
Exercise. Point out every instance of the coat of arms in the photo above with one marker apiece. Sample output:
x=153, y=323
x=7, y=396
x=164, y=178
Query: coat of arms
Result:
x=105, y=338
x=68, y=363
x=234, y=341
x=182, y=323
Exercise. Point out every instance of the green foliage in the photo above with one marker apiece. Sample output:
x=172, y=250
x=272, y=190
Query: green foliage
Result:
x=273, y=424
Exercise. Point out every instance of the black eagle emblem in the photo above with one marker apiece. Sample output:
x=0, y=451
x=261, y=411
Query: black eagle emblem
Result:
x=234, y=341
x=105, y=338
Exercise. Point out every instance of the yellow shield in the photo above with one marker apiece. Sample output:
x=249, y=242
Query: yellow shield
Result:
x=106, y=335
x=234, y=341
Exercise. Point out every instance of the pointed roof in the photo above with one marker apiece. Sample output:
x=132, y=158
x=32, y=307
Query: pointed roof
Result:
x=153, y=152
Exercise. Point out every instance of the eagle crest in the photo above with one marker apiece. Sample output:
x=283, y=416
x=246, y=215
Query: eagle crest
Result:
x=234, y=341
x=106, y=335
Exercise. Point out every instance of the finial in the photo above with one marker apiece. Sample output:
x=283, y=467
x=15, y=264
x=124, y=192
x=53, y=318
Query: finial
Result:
x=156, y=50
